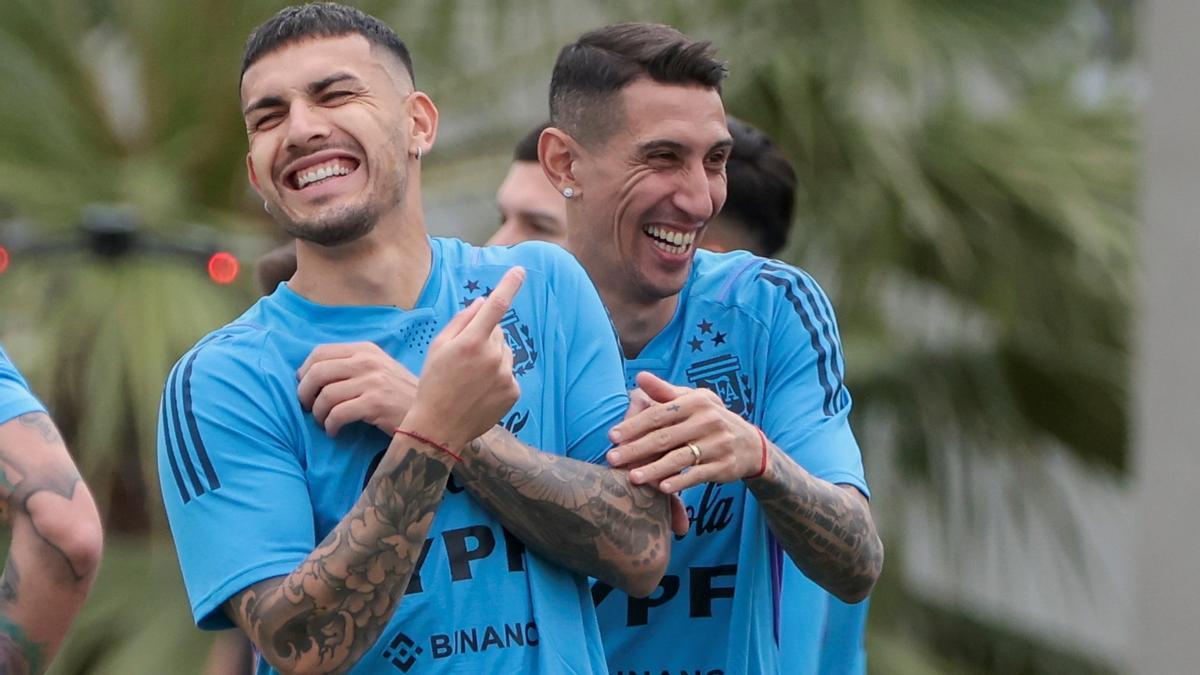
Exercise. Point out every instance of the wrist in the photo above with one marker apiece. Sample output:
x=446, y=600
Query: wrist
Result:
x=415, y=427
x=444, y=454
x=764, y=457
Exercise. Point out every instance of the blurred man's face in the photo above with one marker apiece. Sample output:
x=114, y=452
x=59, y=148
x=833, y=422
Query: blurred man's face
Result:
x=530, y=208
x=326, y=120
x=723, y=235
x=649, y=190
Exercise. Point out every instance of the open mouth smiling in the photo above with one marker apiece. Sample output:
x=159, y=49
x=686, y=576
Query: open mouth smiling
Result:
x=317, y=172
x=668, y=240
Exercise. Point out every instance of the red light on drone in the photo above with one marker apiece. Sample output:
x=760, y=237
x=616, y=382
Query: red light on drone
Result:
x=3, y=259
x=222, y=267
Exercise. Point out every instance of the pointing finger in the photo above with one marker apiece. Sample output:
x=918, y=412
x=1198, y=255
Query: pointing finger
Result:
x=459, y=321
x=496, y=304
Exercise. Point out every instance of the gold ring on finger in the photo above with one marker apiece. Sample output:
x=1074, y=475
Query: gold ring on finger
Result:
x=695, y=453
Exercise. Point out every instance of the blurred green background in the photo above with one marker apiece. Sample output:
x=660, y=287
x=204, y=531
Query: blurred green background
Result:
x=967, y=174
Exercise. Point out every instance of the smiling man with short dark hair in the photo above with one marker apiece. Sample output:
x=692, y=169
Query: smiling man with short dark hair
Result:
x=741, y=404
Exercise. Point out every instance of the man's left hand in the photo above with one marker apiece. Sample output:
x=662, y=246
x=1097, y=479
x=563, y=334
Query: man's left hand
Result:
x=663, y=440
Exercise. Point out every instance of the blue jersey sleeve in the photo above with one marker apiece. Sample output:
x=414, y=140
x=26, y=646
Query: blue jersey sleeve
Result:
x=15, y=397
x=230, y=473
x=596, y=399
x=807, y=405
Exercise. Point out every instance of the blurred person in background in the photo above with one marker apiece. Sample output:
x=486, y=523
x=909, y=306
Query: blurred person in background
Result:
x=530, y=208
x=277, y=432
x=275, y=267
x=760, y=197
x=740, y=403
x=56, y=534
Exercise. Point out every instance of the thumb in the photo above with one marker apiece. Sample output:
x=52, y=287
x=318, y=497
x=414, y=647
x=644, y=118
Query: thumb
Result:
x=659, y=389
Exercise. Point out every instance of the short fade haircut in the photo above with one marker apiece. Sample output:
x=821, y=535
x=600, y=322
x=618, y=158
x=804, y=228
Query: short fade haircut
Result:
x=591, y=71
x=527, y=147
x=321, y=20
x=761, y=198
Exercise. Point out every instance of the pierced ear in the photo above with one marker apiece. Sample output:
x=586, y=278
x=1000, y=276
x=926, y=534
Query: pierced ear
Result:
x=557, y=153
x=425, y=123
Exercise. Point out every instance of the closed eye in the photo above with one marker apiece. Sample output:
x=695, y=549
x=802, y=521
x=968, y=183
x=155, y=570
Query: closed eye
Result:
x=335, y=96
x=267, y=121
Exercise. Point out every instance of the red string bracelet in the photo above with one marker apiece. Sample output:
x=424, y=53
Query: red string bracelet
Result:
x=426, y=441
x=763, y=469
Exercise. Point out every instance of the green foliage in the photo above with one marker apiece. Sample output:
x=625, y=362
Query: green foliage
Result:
x=129, y=104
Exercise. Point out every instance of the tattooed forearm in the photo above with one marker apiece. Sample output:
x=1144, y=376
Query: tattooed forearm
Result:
x=588, y=518
x=323, y=616
x=826, y=529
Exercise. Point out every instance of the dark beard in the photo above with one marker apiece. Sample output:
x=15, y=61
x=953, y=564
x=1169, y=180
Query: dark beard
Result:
x=334, y=229
x=344, y=225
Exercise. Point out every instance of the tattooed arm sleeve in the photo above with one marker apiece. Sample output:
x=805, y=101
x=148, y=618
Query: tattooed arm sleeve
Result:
x=826, y=529
x=588, y=518
x=326, y=613
x=814, y=491
x=56, y=542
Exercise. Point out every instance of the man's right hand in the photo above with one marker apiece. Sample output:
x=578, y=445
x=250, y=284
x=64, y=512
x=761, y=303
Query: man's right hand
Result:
x=467, y=383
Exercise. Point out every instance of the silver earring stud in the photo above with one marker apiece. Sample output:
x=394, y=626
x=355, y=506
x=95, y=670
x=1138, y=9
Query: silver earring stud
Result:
x=266, y=207
x=419, y=153
x=568, y=192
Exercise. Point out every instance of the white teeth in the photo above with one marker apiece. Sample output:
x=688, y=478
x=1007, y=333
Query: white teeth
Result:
x=670, y=248
x=672, y=241
x=313, y=175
